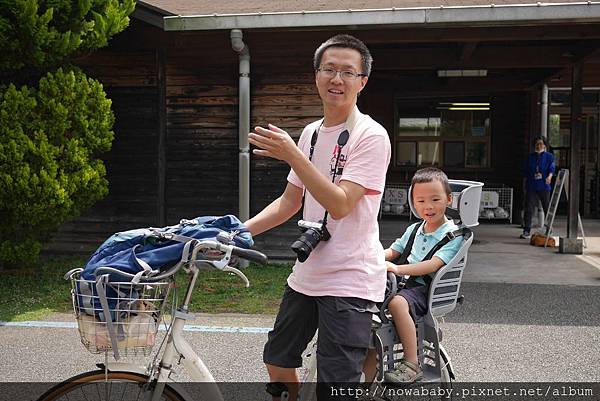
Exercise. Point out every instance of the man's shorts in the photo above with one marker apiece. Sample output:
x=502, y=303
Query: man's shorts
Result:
x=344, y=334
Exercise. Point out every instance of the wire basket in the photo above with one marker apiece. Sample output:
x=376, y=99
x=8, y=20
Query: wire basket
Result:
x=135, y=312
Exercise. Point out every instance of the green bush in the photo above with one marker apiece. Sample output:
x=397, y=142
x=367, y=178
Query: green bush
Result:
x=49, y=167
x=41, y=34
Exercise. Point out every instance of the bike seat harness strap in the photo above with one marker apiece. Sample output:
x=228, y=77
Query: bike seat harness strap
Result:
x=403, y=258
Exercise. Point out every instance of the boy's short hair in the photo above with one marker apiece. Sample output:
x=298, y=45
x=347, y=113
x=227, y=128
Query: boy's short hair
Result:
x=430, y=174
x=345, y=42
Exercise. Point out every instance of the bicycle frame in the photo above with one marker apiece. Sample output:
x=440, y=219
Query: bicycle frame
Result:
x=175, y=349
x=378, y=336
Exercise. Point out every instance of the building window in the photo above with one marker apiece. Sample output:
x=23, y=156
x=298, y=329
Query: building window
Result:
x=559, y=135
x=450, y=133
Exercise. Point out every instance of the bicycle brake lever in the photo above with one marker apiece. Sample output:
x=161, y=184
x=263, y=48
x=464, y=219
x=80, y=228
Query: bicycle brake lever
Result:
x=224, y=261
x=237, y=273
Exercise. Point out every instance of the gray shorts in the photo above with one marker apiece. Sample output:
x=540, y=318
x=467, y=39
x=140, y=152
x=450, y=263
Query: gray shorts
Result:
x=344, y=334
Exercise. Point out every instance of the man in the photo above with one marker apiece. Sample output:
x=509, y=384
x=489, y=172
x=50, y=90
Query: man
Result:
x=336, y=287
x=538, y=171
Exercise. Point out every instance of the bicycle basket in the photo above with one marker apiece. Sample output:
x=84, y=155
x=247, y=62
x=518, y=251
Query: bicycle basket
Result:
x=135, y=313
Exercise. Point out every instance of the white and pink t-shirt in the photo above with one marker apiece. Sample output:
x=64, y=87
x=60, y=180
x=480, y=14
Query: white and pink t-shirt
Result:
x=351, y=263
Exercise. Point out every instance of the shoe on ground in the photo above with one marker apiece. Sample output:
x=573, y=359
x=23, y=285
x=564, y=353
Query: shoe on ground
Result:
x=525, y=236
x=405, y=373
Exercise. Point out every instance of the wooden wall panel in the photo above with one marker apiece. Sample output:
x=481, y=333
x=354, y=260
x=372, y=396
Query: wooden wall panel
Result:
x=202, y=98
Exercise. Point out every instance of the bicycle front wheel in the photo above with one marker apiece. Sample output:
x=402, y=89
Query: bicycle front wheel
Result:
x=112, y=386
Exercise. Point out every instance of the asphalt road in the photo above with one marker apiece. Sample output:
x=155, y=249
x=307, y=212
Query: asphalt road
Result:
x=502, y=333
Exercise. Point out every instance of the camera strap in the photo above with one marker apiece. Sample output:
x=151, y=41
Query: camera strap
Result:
x=351, y=122
x=342, y=140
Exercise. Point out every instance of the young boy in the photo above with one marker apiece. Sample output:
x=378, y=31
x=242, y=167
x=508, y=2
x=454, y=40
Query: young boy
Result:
x=430, y=195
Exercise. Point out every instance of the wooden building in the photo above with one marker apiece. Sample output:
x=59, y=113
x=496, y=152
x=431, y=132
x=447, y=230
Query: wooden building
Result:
x=458, y=84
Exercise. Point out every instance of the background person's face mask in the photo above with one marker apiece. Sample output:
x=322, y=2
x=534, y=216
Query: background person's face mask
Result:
x=540, y=147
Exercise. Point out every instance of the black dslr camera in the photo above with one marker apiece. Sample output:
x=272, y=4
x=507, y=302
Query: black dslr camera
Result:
x=313, y=233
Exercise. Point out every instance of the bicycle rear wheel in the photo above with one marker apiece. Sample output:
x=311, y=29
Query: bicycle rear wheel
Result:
x=112, y=386
x=308, y=372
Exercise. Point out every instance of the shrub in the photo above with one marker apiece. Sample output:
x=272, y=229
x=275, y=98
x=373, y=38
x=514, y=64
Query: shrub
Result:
x=49, y=167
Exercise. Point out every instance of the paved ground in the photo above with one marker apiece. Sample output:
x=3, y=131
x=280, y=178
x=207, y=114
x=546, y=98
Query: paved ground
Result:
x=530, y=314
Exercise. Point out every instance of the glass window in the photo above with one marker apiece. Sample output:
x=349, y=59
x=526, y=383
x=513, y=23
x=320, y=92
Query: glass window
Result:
x=454, y=122
x=590, y=99
x=446, y=132
x=559, y=129
x=563, y=98
x=560, y=98
x=454, y=154
x=561, y=157
x=554, y=130
x=480, y=125
x=428, y=154
x=425, y=126
x=476, y=154
x=406, y=154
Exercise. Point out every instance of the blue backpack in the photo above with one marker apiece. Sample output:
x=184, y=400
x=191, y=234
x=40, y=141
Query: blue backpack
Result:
x=140, y=250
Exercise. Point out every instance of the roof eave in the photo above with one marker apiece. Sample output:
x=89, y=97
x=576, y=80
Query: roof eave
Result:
x=510, y=14
x=150, y=14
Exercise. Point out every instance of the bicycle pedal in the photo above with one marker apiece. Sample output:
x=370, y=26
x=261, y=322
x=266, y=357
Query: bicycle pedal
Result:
x=277, y=389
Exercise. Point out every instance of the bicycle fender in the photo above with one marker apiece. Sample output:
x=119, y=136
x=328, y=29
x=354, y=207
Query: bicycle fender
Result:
x=123, y=367
x=133, y=368
x=446, y=360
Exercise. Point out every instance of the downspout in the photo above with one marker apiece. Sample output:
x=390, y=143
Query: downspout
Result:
x=543, y=133
x=544, y=112
x=238, y=45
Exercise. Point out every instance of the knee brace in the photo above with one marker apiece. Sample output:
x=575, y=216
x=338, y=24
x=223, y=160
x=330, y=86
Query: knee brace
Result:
x=278, y=389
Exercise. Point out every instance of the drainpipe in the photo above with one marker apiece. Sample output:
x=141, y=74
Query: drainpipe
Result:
x=238, y=45
x=544, y=112
x=543, y=133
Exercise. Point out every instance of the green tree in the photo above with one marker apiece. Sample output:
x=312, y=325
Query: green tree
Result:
x=54, y=120
x=41, y=34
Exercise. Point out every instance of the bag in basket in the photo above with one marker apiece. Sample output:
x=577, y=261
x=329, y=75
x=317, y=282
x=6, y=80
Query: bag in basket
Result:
x=145, y=249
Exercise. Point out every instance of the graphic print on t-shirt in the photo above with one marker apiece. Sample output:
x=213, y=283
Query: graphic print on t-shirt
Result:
x=340, y=164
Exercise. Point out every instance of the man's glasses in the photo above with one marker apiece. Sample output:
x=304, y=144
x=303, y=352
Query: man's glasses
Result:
x=347, y=75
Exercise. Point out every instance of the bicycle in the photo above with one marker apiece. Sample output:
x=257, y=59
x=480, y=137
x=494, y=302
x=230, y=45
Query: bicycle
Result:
x=117, y=380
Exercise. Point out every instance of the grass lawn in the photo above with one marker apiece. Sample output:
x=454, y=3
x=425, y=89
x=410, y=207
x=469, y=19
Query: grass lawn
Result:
x=34, y=293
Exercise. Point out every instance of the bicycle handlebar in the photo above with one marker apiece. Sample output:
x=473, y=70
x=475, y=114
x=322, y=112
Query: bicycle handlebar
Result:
x=251, y=255
x=248, y=254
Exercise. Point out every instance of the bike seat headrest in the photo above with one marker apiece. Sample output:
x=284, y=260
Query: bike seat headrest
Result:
x=466, y=196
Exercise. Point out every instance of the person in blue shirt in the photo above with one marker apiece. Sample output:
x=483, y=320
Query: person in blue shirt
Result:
x=538, y=172
x=431, y=194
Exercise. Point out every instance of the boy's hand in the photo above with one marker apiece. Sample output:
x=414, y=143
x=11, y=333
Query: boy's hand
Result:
x=394, y=268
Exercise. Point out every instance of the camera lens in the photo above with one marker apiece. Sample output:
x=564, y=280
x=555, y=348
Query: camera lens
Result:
x=302, y=250
x=304, y=245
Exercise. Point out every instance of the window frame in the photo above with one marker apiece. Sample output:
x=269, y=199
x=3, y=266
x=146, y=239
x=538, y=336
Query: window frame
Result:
x=441, y=140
